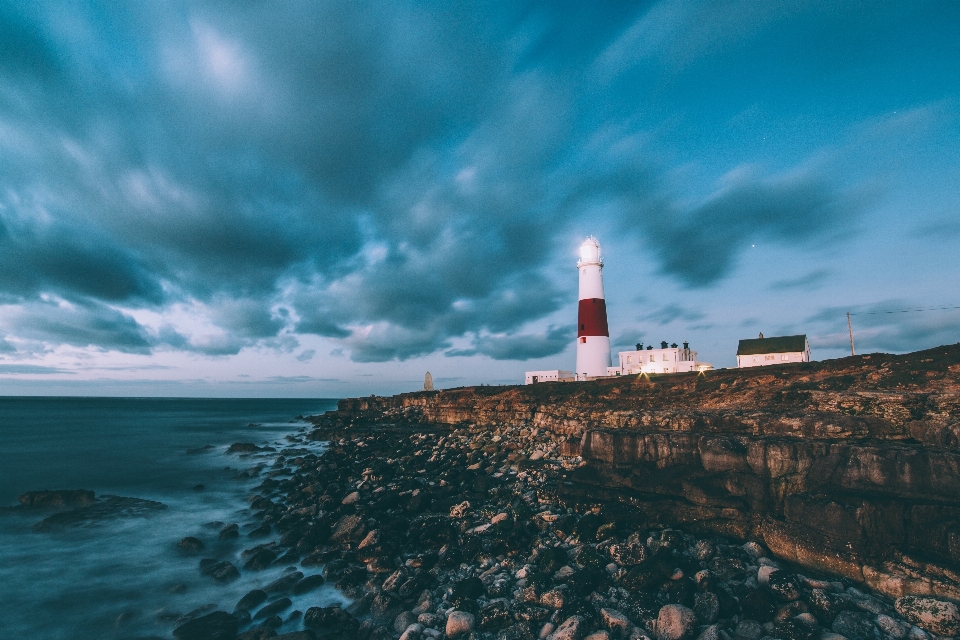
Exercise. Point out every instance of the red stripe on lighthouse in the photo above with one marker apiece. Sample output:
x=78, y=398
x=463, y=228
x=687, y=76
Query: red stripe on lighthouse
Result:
x=592, y=318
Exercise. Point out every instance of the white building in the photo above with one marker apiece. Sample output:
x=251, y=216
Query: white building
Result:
x=553, y=375
x=666, y=359
x=760, y=352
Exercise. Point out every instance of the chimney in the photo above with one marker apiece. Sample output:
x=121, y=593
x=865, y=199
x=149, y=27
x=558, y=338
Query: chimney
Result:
x=639, y=346
x=673, y=346
x=686, y=345
x=663, y=344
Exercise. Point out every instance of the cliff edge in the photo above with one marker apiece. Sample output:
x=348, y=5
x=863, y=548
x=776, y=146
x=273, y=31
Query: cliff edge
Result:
x=848, y=466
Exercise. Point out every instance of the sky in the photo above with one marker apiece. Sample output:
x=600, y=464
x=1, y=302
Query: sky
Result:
x=326, y=199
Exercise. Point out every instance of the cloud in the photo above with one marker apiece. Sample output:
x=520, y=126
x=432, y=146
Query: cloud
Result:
x=672, y=311
x=81, y=323
x=811, y=280
x=518, y=346
x=307, y=355
x=30, y=369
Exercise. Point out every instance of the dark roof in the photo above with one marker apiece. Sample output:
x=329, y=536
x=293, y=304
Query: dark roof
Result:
x=779, y=344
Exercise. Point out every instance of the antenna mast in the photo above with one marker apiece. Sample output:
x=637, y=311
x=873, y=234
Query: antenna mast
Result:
x=850, y=329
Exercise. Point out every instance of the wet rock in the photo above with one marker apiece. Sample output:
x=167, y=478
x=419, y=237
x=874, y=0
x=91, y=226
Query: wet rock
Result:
x=758, y=604
x=284, y=583
x=404, y=620
x=259, y=633
x=931, y=614
x=229, y=532
x=459, y=623
x=554, y=599
x=348, y=529
x=791, y=630
x=675, y=622
x=58, y=499
x=260, y=532
x=573, y=628
x=307, y=584
x=707, y=607
x=628, y=554
x=243, y=447
x=385, y=605
x=855, y=625
x=351, y=498
x=615, y=621
x=784, y=586
x=218, y=625
x=331, y=620
x=515, y=632
x=273, y=608
x=190, y=545
x=297, y=635
x=222, y=572
x=598, y=635
x=260, y=559
x=891, y=628
x=251, y=600
x=471, y=587
x=494, y=615
x=749, y=630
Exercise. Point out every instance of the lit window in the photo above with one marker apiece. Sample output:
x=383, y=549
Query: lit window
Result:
x=629, y=358
x=784, y=357
x=756, y=358
x=583, y=341
x=769, y=357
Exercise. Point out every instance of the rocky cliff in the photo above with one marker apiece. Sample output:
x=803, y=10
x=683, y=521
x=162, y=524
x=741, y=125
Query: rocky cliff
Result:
x=848, y=466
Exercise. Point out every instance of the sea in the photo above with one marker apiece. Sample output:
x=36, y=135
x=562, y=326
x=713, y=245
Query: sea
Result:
x=117, y=573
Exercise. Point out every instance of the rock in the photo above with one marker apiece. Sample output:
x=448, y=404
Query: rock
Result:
x=229, y=532
x=260, y=559
x=855, y=625
x=758, y=604
x=332, y=620
x=460, y=510
x=273, y=608
x=754, y=550
x=615, y=621
x=784, y=586
x=57, y=499
x=675, y=622
x=763, y=575
x=515, y=632
x=494, y=615
x=218, y=625
x=598, y=635
x=221, y=572
x=704, y=550
x=555, y=599
x=297, y=635
x=385, y=606
x=284, y=583
x=251, y=600
x=931, y=614
x=791, y=630
x=707, y=607
x=257, y=633
x=749, y=630
x=348, y=529
x=260, y=532
x=190, y=545
x=243, y=447
x=471, y=587
x=710, y=633
x=628, y=554
x=459, y=623
x=307, y=584
x=403, y=620
x=351, y=498
x=573, y=628
x=893, y=629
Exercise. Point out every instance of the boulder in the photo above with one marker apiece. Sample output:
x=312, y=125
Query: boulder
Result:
x=459, y=623
x=675, y=622
x=931, y=614
x=57, y=499
x=218, y=625
x=573, y=628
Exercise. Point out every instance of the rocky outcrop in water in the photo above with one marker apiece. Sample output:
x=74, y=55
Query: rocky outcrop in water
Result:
x=849, y=466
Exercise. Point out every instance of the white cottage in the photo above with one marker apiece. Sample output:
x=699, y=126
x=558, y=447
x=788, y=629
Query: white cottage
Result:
x=553, y=375
x=762, y=352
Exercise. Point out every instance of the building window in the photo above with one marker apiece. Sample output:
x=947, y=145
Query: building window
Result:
x=583, y=341
x=629, y=358
x=756, y=358
x=664, y=357
x=769, y=357
x=784, y=357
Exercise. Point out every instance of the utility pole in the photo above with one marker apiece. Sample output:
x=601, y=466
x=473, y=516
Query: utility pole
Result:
x=850, y=329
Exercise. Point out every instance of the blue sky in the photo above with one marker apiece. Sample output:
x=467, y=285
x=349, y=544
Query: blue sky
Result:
x=329, y=199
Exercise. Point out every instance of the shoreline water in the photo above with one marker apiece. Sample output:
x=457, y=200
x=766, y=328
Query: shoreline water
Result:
x=121, y=575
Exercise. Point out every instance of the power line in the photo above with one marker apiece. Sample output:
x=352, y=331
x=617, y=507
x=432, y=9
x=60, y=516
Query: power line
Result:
x=873, y=313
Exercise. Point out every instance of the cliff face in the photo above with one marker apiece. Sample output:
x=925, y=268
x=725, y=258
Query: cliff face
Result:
x=850, y=466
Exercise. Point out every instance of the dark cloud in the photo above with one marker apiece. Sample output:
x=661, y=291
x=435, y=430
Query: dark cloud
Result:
x=671, y=312
x=393, y=177
x=81, y=324
x=307, y=355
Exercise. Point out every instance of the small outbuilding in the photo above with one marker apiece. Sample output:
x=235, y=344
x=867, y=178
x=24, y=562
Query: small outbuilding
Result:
x=760, y=352
x=553, y=375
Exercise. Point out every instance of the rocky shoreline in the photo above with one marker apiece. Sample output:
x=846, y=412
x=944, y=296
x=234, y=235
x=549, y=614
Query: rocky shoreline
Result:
x=438, y=532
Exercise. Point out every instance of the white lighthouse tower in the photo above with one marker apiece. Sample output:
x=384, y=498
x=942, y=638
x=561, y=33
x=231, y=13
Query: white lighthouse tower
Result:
x=593, y=336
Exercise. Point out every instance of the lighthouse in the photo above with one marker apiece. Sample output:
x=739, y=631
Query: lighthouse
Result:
x=593, y=336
